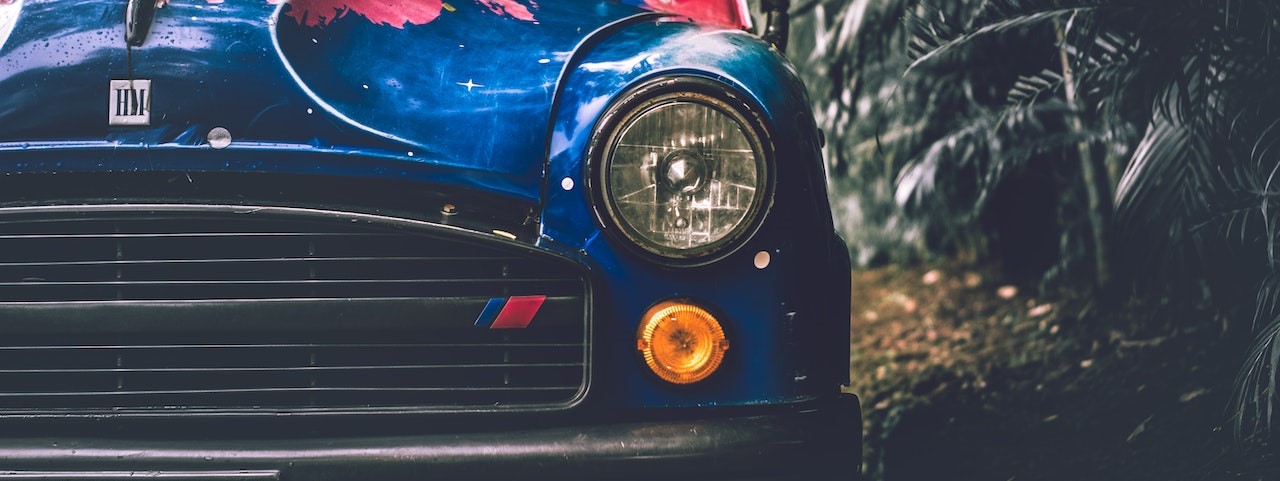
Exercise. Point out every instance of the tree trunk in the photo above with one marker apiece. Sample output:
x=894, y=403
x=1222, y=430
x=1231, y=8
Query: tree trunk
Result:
x=1093, y=172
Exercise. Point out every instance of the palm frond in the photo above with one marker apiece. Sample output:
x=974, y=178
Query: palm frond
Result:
x=1165, y=152
x=935, y=39
x=1030, y=88
x=1170, y=178
x=1255, y=387
x=986, y=147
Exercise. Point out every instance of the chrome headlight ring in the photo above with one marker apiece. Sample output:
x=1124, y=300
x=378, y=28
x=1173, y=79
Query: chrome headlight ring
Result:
x=682, y=170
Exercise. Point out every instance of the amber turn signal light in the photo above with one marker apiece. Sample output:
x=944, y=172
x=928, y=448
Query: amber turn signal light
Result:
x=682, y=343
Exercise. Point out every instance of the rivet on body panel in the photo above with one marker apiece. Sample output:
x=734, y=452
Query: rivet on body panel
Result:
x=762, y=259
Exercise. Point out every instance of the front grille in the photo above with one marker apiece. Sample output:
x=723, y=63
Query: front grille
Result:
x=186, y=309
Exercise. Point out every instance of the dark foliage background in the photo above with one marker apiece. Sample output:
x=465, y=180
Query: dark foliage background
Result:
x=1130, y=147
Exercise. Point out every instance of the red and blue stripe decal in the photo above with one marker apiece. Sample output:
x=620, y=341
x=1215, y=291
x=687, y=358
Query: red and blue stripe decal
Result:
x=510, y=313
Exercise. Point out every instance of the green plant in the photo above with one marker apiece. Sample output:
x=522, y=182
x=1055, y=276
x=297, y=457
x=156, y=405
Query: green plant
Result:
x=1169, y=107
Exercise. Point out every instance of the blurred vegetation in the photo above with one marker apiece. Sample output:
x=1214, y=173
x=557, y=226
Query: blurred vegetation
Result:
x=965, y=377
x=1127, y=146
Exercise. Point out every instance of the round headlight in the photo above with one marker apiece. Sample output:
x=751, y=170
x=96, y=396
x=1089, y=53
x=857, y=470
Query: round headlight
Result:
x=682, y=169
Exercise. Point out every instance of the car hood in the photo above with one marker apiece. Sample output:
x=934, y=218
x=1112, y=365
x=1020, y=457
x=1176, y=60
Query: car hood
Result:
x=457, y=91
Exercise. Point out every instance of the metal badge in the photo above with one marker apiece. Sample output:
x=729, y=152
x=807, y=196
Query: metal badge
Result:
x=129, y=102
x=515, y=312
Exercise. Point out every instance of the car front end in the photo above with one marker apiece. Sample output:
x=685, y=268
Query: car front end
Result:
x=414, y=240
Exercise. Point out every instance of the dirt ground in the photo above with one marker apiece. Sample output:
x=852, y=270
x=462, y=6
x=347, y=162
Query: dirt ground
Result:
x=964, y=377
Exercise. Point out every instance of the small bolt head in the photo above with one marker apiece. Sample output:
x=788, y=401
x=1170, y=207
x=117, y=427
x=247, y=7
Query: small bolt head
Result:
x=762, y=259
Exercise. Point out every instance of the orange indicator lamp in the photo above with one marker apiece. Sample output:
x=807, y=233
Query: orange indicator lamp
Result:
x=681, y=342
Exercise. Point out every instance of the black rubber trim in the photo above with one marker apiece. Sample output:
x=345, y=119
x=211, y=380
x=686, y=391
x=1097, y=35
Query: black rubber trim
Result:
x=241, y=475
x=816, y=441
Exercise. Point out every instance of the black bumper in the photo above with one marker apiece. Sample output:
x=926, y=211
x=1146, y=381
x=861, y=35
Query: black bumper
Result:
x=819, y=441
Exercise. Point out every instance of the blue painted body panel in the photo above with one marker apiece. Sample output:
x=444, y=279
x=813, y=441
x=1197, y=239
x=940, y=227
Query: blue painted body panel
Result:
x=764, y=305
x=473, y=100
x=233, y=65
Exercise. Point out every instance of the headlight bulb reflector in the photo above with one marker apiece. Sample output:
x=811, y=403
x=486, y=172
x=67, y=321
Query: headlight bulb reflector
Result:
x=685, y=175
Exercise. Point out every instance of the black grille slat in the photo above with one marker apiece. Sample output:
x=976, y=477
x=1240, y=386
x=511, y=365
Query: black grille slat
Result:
x=39, y=283
x=284, y=389
x=283, y=369
x=130, y=259
x=189, y=235
x=258, y=260
x=277, y=346
x=107, y=311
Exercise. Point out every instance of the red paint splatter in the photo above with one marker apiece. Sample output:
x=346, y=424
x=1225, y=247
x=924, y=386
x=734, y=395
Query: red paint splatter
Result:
x=508, y=7
x=394, y=13
x=730, y=13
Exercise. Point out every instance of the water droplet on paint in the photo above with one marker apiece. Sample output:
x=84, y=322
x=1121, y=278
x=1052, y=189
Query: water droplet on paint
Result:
x=219, y=138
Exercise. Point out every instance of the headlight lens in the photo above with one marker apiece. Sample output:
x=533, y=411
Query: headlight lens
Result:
x=684, y=174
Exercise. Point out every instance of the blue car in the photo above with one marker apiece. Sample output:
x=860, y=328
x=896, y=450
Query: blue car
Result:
x=415, y=239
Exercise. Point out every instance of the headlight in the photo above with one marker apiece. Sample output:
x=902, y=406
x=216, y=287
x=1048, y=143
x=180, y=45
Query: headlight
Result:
x=682, y=169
